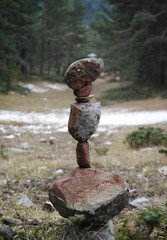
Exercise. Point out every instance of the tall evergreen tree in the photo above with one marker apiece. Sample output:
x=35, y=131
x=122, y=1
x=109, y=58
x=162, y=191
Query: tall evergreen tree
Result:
x=16, y=34
x=134, y=40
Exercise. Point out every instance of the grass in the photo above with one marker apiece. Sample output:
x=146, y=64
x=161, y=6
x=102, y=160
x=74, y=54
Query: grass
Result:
x=31, y=172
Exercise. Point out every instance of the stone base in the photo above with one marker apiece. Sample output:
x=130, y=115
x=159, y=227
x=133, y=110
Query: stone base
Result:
x=98, y=195
x=88, y=232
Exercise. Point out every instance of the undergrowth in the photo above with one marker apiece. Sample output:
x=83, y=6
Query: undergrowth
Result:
x=150, y=223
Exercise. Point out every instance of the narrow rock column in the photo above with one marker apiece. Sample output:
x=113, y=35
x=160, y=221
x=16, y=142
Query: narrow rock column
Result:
x=83, y=154
x=84, y=115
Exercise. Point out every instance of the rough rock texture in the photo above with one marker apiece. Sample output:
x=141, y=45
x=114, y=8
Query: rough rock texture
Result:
x=83, y=155
x=98, y=195
x=83, y=72
x=83, y=121
x=84, y=91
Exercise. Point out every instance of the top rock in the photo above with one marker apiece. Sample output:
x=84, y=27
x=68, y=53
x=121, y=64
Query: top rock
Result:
x=82, y=72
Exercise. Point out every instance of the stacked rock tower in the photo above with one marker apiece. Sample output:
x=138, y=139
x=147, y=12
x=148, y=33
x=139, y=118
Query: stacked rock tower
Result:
x=84, y=115
x=96, y=194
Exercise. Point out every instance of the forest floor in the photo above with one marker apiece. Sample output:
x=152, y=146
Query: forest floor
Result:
x=34, y=153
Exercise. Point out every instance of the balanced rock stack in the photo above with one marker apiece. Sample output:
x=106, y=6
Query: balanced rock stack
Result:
x=96, y=194
x=84, y=115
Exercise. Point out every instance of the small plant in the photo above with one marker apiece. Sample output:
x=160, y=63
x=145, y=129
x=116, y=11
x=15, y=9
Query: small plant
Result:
x=146, y=136
x=142, y=226
x=3, y=155
x=76, y=219
x=163, y=150
x=151, y=218
x=19, y=89
x=164, y=94
x=101, y=151
x=41, y=232
x=128, y=231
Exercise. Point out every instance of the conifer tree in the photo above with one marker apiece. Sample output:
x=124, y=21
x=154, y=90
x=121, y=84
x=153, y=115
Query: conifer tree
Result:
x=133, y=40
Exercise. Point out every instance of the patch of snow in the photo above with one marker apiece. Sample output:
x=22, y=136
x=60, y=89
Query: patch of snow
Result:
x=163, y=170
x=42, y=168
x=33, y=88
x=147, y=149
x=9, y=136
x=25, y=145
x=43, y=140
x=108, y=117
x=2, y=129
x=3, y=182
x=141, y=176
x=59, y=171
x=16, y=150
x=108, y=143
x=56, y=86
x=57, y=120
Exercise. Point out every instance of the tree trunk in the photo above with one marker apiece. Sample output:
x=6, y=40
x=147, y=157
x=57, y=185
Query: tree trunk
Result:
x=43, y=41
x=49, y=57
x=23, y=60
x=8, y=82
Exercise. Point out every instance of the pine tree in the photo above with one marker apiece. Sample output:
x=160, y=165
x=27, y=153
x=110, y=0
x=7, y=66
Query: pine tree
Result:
x=133, y=40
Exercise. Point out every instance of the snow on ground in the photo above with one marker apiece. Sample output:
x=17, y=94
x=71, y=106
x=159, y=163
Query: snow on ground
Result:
x=57, y=120
x=56, y=86
x=33, y=88
x=36, y=89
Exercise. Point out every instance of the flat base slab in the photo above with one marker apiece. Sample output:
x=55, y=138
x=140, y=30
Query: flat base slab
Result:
x=98, y=195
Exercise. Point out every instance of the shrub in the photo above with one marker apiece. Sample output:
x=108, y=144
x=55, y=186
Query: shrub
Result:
x=19, y=89
x=164, y=94
x=151, y=218
x=163, y=150
x=126, y=93
x=146, y=136
x=101, y=151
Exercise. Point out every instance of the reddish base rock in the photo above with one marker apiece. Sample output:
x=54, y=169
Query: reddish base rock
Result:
x=83, y=155
x=98, y=195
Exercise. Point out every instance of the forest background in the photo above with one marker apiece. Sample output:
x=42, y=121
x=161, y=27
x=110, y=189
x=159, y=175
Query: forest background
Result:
x=41, y=38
